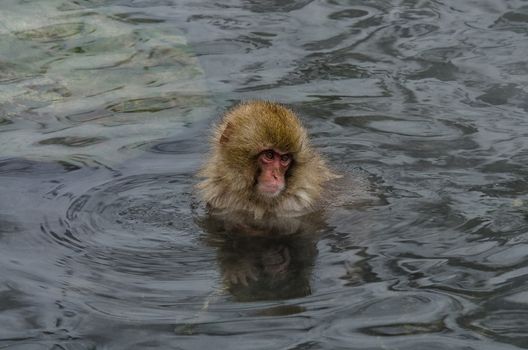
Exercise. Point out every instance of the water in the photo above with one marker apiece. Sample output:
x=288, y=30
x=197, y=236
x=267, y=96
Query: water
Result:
x=105, y=109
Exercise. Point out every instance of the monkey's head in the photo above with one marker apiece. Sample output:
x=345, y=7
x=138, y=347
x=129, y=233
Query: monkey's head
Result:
x=262, y=143
x=262, y=160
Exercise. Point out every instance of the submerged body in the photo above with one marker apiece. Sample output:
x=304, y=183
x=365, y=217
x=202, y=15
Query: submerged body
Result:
x=263, y=165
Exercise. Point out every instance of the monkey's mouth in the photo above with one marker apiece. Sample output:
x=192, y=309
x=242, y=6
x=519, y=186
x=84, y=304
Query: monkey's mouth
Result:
x=270, y=190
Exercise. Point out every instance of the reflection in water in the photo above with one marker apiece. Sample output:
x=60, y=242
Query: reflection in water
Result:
x=264, y=259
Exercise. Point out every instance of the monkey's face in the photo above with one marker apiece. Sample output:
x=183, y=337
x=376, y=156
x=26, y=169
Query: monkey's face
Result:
x=273, y=165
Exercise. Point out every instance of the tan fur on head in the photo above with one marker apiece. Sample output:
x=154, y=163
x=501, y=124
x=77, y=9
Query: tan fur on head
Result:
x=230, y=172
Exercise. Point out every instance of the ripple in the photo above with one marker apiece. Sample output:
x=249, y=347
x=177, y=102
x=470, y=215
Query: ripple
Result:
x=72, y=141
x=134, y=237
x=55, y=32
x=137, y=18
x=506, y=325
x=444, y=71
x=404, y=127
x=179, y=146
x=136, y=212
x=276, y=5
x=350, y=13
x=156, y=103
x=222, y=22
x=514, y=21
x=5, y=121
x=8, y=226
x=399, y=329
x=499, y=94
x=410, y=314
x=26, y=167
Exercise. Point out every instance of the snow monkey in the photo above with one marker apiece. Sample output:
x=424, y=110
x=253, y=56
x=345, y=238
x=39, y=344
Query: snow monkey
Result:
x=262, y=164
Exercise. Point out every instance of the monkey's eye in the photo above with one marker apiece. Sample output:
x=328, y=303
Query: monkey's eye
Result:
x=269, y=154
x=285, y=158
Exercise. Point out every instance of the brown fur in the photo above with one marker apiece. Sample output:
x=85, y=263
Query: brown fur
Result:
x=231, y=171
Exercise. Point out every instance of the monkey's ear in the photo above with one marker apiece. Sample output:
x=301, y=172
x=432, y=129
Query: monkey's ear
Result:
x=226, y=134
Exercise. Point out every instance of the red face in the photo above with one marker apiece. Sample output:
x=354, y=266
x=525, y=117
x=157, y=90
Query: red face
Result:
x=273, y=165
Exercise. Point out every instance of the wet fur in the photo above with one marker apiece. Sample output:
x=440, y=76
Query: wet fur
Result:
x=230, y=173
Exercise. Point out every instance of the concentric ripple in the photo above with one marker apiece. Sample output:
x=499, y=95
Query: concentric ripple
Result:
x=137, y=212
x=135, y=237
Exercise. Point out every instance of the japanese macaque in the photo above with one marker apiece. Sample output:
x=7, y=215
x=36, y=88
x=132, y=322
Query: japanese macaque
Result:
x=262, y=164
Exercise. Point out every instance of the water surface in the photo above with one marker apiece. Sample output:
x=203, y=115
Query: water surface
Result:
x=105, y=109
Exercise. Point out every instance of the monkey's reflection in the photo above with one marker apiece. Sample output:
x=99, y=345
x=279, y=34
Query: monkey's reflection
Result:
x=266, y=259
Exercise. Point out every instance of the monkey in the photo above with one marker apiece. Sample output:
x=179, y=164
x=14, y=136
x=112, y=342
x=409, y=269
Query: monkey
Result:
x=262, y=164
x=266, y=191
